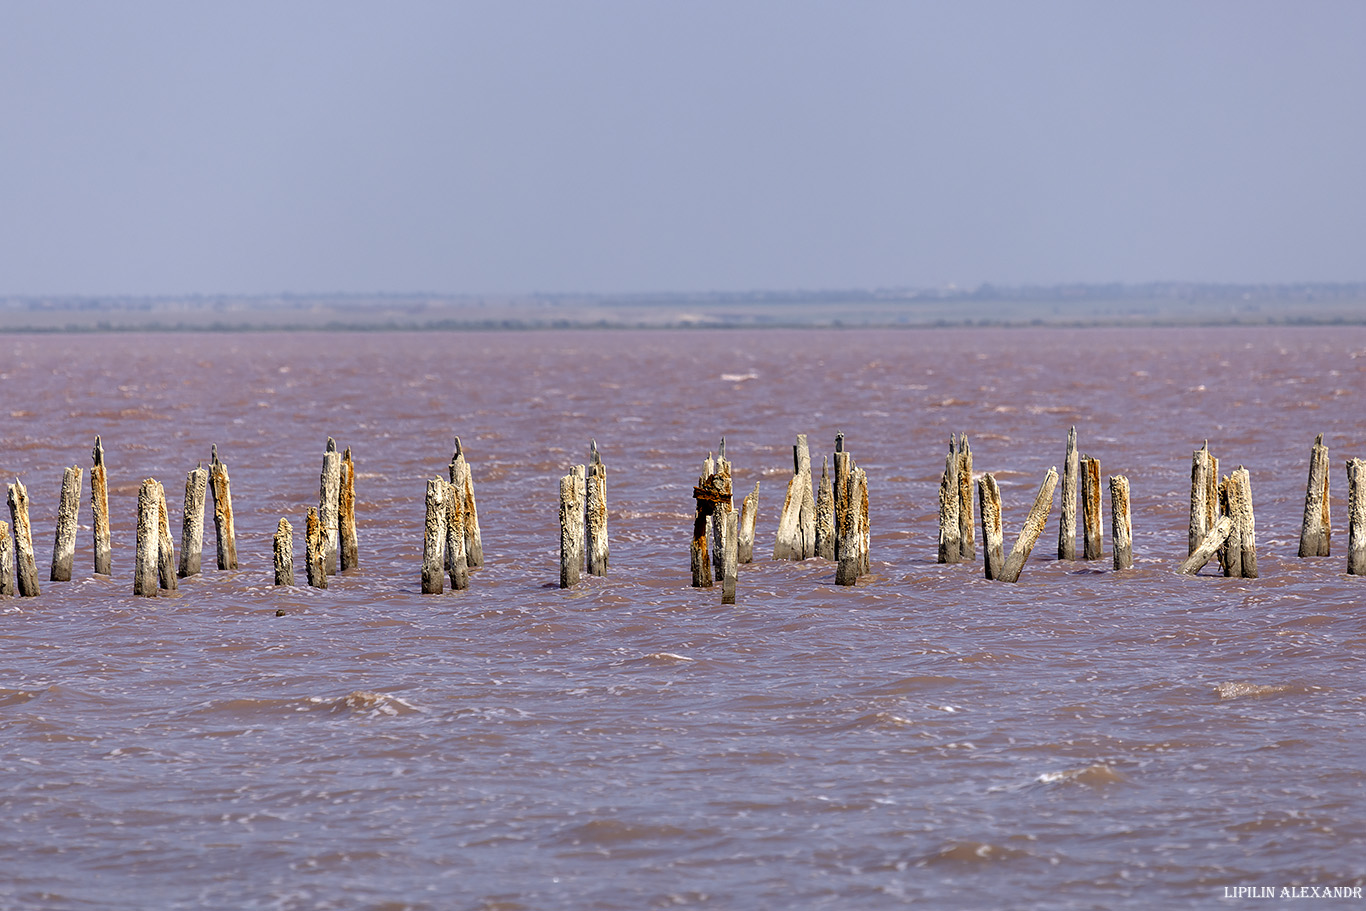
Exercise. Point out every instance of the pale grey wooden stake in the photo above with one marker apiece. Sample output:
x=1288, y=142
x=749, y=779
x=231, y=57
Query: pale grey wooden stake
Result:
x=1241, y=548
x=1204, y=496
x=950, y=526
x=166, y=567
x=26, y=568
x=1356, y=517
x=329, y=506
x=68, y=515
x=1121, y=524
x=315, y=549
x=571, y=527
x=148, y=549
x=796, y=537
x=1207, y=548
x=99, y=509
x=1033, y=527
x=993, y=539
x=192, y=522
x=220, y=491
x=434, y=538
x=1092, y=528
x=349, y=555
x=967, y=544
x=749, y=510
x=730, y=523
x=1316, y=530
x=825, y=514
x=284, y=553
x=1067, y=514
x=457, y=563
x=474, y=542
x=6, y=562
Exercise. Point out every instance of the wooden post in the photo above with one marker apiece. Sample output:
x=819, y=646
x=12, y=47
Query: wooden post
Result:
x=1067, y=514
x=284, y=553
x=315, y=550
x=967, y=544
x=1317, y=527
x=349, y=556
x=99, y=509
x=843, y=468
x=1208, y=547
x=1090, y=508
x=68, y=514
x=224, y=529
x=329, y=505
x=6, y=562
x=595, y=512
x=1121, y=526
x=26, y=568
x=749, y=509
x=165, y=546
x=950, y=526
x=456, y=561
x=796, y=538
x=192, y=523
x=720, y=468
x=1204, y=496
x=474, y=542
x=1356, y=517
x=865, y=528
x=571, y=527
x=713, y=496
x=825, y=514
x=148, y=548
x=730, y=524
x=1240, y=550
x=993, y=540
x=434, y=538
x=851, y=533
x=1033, y=527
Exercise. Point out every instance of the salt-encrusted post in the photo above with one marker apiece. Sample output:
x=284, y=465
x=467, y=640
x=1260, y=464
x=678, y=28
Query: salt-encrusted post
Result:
x=349, y=555
x=843, y=468
x=99, y=509
x=851, y=548
x=329, y=502
x=729, y=520
x=967, y=544
x=474, y=542
x=1090, y=508
x=1208, y=547
x=796, y=537
x=165, y=546
x=26, y=568
x=457, y=563
x=434, y=538
x=1240, y=550
x=1316, y=530
x=284, y=553
x=749, y=510
x=192, y=523
x=225, y=531
x=1121, y=526
x=1356, y=517
x=1033, y=527
x=68, y=514
x=950, y=526
x=6, y=562
x=595, y=512
x=315, y=549
x=993, y=540
x=571, y=526
x=865, y=528
x=1204, y=496
x=148, y=548
x=1067, y=513
x=825, y=514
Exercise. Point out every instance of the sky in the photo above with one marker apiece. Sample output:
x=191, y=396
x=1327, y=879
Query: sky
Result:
x=157, y=147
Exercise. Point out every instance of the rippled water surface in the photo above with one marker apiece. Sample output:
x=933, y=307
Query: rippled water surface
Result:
x=1084, y=739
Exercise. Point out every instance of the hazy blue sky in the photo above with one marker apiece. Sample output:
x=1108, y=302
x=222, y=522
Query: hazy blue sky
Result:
x=557, y=145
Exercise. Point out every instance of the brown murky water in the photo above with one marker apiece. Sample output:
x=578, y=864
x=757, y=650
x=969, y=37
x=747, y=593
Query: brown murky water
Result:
x=1084, y=739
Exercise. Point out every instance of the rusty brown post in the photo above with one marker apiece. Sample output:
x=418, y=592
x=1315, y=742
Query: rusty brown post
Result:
x=220, y=491
x=1090, y=508
x=99, y=510
x=315, y=547
x=349, y=555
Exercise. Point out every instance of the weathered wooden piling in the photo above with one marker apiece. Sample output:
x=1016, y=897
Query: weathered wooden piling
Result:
x=99, y=509
x=1204, y=496
x=147, y=551
x=713, y=497
x=329, y=505
x=349, y=555
x=993, y=539
x=1067, y=512
x=1092, y=529
x=6, y=562
x=1317, y=528
x=284, y=553
x=25, y=568
x=457, y=563
x=796, y=536
x=851, y=548
x=1240, y=550
x=716, y=522
x=1208, y=547
x=865, y=527
x=595, y=512
x=950, y=526
x=1121, y=523
x=571, y=527
x=730, y=535
x=1033, y=527
x=68, y=514
x=749, y=511
x=434, y=538
x=474, y=542
x=220, y=491
x=166, y=568
x=843, y=467
x=192, y=523
x=825, y=514
x=315, y=549
x=967, y=543
x=1356, y=517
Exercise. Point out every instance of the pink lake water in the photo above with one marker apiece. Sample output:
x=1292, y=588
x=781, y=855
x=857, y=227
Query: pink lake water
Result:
x=1083, y=739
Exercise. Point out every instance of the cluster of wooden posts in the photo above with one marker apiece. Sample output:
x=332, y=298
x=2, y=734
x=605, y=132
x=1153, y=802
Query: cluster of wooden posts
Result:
x=829, y=520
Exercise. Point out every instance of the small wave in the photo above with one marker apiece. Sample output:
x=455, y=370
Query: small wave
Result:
x=1235, y=690
x=971, y=853
x=372, y=705
x=739, y=377
x=668, y=658
x=1097, y=775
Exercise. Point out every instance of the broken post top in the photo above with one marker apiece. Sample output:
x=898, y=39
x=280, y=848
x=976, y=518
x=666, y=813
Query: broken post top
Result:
x=594, y=457
x=98, y=451
x=213, y=454
x=721, y=450
x=331, y=445
x=458, y=450
x=839, y=441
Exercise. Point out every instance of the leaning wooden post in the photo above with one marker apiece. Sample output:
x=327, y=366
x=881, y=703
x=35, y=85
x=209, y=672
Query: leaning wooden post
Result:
x=950, y=526
x=1090, y=508
x=474, y=542
x=993, y=540
x=284, y=553
x=967, y=544
x=26, y=568
x=224, y=529
x=349, y=555
x=571, y=526
x=1356, y=517
x=1204, y=499
x=1208, y=547
x=99, y=509
x=165, y=546
x=148, y=548
x=749, y=510
x=1067, y=513
x=730, y=525
x=434, y=538
x=1316, y=529
x=825, y=514
x=6, y=562
x=457, y=563
x=329, y=502
x=192, y=523
x=1241, y=558
x=68, y=514
x=1033, y=527
x=315, y=549
x=1121, y=526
